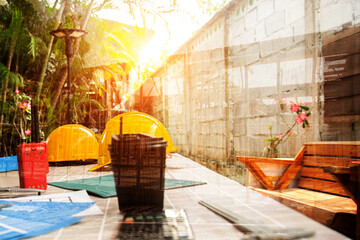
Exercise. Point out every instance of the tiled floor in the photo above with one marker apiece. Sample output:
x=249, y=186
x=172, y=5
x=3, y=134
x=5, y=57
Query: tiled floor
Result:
x=205, y=224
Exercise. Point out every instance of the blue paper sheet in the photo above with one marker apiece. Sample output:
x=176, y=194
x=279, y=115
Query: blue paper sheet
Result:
x=8, y=164
x=29, y=219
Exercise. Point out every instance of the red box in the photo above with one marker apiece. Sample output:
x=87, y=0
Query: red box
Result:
x=33, y=165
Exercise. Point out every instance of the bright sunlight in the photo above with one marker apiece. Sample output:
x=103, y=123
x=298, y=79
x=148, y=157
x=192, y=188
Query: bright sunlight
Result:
x=172, y=29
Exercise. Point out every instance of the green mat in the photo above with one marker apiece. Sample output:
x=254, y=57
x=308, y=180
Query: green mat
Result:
x=104, y=186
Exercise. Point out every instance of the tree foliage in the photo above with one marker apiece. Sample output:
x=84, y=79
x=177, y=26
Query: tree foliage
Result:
x=34, y=62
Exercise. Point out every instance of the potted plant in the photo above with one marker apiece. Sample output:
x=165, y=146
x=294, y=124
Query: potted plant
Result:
x=302, y=113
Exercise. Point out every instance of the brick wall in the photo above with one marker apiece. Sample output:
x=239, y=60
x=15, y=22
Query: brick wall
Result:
x=219, y=86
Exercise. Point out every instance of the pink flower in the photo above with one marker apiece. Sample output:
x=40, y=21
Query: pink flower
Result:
x=294, y=107
x=22, y=106
x=17, y=91
x=27, y=132
x=283, y=99
x=25, y=105
x=299, y=120
x=279, y=136
x=303, y=116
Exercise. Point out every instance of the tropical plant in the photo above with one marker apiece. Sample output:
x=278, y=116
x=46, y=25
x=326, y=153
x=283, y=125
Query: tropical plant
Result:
x=22, y=38
x=302, y=113
x=10, y=35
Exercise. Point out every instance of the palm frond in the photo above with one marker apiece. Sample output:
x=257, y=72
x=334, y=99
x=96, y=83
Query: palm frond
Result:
x=3, y=71
x=16, y=22
x=32, y=46
x=14, y=78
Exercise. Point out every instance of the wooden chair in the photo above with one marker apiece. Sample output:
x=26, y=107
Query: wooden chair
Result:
x=316, y=194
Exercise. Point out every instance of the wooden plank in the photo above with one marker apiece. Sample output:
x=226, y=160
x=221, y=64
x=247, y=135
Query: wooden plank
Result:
x=344, y=87
x=342, y=119
x=300, y=155
x=320, y=185
x=316, y=173
x=291, y=171
x=286, y=161
x=326, y=201
x=344, y=33
x=336, y=170
x=348, y=44
x=341, y=69
x=319, y=161
x=259, y=174
x=345, y=149
x=273, y=178
x=333, y=143
x=321, y=208
x=288, y=176
x=342, y=106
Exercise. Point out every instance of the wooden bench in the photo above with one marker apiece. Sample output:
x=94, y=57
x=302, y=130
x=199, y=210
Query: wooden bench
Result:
x=316, y=193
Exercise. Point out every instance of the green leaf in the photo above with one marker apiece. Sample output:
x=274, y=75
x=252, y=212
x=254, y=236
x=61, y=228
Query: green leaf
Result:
x=305, y=108
x=32, y=47
x=270, y=127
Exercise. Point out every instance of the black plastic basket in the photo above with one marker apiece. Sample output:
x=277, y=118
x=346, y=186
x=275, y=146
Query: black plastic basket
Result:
x=138, y=163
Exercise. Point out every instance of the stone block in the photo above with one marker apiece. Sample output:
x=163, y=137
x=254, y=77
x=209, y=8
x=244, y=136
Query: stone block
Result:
x=357, y=10
x=264, y=9
x=239, y=126
x=237, y=60
x=266, y=48
x=237, y=76
x=294, y=11
x=252, y=53
x=284, y=39
x=294, y=73
x=338, y=17
x=236, y=50
x=251, y=19
x=236, y=28
x=217, y=54
x=240, y=109
x=247, y=37
x=299, y=30
x=260, y=34
x=254, y=146
x=261, y=76
x=275, y=22
x=281, y=4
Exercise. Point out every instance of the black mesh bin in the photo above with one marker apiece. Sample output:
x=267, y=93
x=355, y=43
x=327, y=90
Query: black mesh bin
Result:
x=138, y=163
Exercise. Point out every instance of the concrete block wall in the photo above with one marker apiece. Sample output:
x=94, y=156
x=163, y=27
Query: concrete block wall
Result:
x=231, y=70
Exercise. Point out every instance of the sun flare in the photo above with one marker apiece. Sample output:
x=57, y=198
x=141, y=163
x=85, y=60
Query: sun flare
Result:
x=171, y=30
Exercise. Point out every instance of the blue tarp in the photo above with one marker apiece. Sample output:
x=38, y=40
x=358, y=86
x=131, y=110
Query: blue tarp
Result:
x=8, y=164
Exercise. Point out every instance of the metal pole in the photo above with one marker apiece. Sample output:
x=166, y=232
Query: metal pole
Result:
x=69, y=89
x=69, y=53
